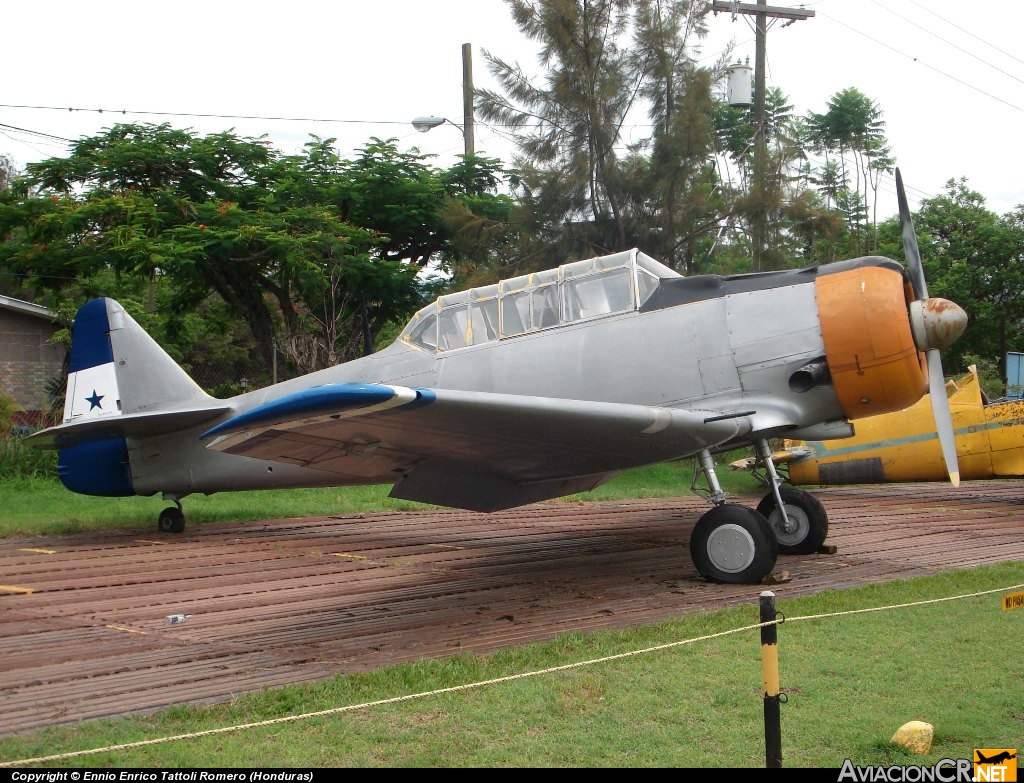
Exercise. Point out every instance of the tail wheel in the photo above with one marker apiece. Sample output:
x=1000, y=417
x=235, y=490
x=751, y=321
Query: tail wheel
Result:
x=171, y=520
x=807, y=525
x=733, y=544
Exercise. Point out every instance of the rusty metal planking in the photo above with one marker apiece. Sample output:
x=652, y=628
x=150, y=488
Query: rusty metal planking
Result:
x=83, y=618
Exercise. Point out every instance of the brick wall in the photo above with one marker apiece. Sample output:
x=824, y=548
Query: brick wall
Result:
x=28, y=361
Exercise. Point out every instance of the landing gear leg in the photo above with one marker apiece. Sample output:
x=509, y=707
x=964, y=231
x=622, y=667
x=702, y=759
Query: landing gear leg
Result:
x=731, y=543
x=172, y=518
x=797, y=519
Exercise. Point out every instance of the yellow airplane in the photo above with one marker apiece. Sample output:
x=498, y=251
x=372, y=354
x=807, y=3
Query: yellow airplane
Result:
x=904, y=447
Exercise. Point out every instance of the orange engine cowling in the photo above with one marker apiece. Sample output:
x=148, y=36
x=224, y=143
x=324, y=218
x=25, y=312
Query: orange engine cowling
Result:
x=865, y=324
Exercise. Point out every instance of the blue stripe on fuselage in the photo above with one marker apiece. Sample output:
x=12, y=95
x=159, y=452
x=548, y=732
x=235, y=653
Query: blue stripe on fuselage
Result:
x=319, y=400
x=90, y=337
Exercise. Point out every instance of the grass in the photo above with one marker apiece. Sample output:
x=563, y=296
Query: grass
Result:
x=684, y=693
x=36, y=506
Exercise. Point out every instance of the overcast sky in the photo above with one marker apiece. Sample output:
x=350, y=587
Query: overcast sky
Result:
x=945, y=74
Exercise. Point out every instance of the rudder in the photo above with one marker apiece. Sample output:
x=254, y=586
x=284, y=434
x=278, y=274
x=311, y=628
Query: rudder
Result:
x=117, y=368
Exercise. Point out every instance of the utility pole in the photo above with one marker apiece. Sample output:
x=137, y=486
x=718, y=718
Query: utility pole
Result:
x=761, y=12
x=467, y=98
x=424, y=124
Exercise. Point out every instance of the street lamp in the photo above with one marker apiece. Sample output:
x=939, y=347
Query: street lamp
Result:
x=425, y=124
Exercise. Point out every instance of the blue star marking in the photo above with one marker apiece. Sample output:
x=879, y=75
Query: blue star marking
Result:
x=94, y=401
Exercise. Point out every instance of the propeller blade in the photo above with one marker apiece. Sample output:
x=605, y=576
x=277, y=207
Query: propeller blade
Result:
x=943, y=416
x=937, y=326
x=910, y=249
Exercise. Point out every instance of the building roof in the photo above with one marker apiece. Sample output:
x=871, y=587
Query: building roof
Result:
x=9, y=303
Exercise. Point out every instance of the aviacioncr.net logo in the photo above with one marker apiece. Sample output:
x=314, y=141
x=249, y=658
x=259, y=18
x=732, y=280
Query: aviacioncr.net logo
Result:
x=943, y=771
x=998, y=765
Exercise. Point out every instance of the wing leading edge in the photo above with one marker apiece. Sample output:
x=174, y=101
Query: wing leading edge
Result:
x=479, y=451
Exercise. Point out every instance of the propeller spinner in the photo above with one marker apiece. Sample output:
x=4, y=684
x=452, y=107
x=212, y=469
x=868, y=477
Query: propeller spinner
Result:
x=936, y=323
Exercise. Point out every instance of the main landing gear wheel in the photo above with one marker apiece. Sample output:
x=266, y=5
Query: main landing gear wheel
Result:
x=171, y=520
x=733, y=544
x=807, y=521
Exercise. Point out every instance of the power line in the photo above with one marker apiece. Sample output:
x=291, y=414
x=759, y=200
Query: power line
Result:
x=497, y=130
x=967, y=32
x=950, y=43
x=32, y=132
x=205, y=116
x=926, y=65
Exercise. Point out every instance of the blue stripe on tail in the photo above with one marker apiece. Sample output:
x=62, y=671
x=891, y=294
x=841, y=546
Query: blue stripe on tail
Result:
x=90, y=338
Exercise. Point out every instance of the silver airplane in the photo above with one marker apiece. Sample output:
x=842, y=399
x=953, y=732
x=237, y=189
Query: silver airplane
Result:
x=535, y=388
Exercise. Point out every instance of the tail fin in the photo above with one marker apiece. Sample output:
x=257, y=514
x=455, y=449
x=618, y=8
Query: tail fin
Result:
x=117, y=368
x=121, y=385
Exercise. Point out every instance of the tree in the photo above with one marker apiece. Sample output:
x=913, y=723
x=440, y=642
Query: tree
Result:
x=484, y=227
x=799, y=226
x=8, y=171
x=585, y=189
x=315, y=253
x=209, y=214
x=976, y=258
x=853, y=128
x=676, y=203
x=567, y=130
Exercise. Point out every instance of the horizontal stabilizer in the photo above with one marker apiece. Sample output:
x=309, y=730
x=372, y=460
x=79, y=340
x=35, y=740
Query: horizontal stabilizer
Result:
x=126, y=425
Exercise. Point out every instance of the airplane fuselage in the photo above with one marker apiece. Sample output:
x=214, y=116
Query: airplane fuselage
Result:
x=718, y=347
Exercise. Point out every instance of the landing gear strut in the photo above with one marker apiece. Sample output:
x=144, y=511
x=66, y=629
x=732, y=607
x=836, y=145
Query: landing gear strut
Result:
x=172, y=518
x=797, y=518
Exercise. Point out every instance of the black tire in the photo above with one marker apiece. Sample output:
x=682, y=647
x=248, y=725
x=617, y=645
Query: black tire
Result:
x=171, y=520
x=808, y=521
x=733, y=544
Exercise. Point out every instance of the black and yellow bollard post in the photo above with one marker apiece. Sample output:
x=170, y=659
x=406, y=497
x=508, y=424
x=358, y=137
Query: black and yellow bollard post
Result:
x=770, y=678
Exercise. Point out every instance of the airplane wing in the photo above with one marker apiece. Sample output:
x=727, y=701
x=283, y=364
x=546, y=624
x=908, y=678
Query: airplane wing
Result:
x=480, y=451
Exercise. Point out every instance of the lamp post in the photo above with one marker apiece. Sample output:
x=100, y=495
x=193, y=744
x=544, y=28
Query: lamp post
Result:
x=424, y=124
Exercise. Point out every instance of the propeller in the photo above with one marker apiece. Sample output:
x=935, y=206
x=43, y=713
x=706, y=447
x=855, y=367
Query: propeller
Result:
x=935, y=323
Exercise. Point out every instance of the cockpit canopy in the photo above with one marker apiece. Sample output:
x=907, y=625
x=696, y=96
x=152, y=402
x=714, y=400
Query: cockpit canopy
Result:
x=580, y=291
